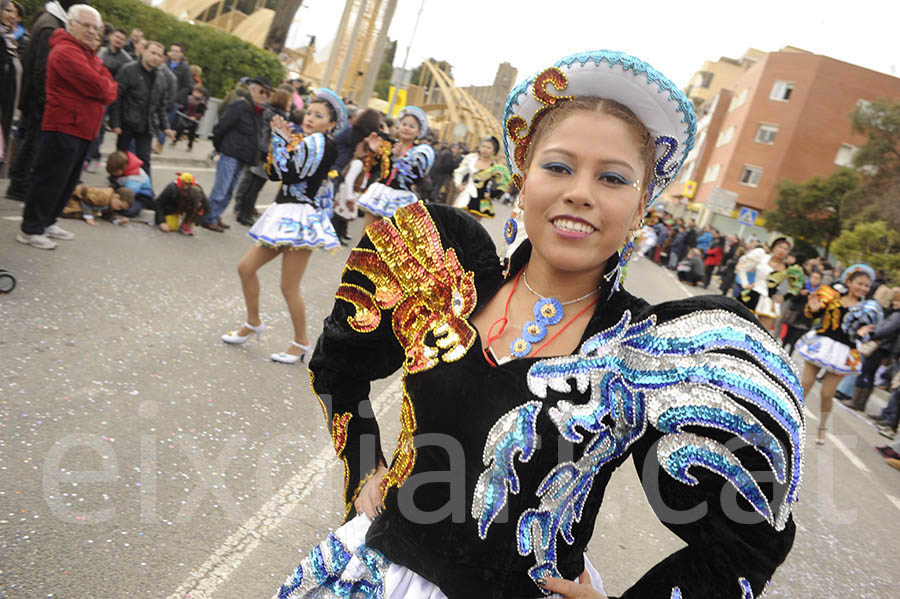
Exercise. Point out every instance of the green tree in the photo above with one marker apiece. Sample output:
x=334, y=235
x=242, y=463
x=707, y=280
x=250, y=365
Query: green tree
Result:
x=874, y=243
x=440, y=64
x=879, y=160
x=814, y=210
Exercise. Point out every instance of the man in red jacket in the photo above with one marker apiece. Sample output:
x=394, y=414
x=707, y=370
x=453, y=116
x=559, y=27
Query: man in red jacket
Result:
x=79, y=87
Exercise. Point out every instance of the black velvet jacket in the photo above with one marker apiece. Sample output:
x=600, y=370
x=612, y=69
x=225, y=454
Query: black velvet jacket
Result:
x=702, y=400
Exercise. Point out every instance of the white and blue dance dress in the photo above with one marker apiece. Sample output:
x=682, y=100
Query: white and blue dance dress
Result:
x=300, y=217
x=394, y=179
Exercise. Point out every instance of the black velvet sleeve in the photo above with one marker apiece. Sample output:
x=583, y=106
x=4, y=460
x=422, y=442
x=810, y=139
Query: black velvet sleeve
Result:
x=733, y=548
x=344, y=363
x=346, y=359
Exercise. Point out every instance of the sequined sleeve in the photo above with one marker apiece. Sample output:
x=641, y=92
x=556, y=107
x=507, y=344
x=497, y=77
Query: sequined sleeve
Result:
x=413, y=165
x=296, y=159
x=722, y=461
x=404, y=291
x=353, y=350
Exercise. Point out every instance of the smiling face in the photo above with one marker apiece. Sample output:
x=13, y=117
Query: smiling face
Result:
x=859, y=284
x=408, y=129
x=582, y=192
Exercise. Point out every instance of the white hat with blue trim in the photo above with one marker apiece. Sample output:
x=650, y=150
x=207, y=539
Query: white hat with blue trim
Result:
x=340, y=110
x=418, y=114
x=655, y=100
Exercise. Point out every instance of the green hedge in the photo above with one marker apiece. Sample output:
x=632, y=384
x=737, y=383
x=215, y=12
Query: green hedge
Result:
x=224, y=58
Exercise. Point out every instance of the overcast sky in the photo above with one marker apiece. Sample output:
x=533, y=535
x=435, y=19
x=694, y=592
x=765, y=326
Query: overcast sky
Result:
x=675, y=37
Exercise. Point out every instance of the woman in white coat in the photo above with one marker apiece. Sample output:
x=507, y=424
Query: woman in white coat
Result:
x=464, y=176
x=758, y=294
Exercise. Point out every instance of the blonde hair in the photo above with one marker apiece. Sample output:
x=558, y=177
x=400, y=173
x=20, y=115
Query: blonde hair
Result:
x=605, y=106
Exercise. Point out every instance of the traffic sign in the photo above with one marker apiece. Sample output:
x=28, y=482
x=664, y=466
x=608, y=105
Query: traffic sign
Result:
x=747, y=216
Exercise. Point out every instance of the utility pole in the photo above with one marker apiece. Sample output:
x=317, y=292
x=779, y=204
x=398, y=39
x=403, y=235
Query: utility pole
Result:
x=403, y=82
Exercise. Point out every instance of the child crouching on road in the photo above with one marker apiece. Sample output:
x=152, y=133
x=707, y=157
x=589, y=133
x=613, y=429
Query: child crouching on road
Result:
x=125, y=170
x=90, y=202
x=180, y=205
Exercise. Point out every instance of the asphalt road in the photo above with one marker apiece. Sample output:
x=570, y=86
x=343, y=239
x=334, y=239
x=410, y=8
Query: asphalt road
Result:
x=141, y=457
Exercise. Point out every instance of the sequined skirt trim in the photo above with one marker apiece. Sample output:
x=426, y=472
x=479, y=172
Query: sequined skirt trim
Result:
x=294, y=226
x=343, y=566
x=381, y=200
x=829, y=354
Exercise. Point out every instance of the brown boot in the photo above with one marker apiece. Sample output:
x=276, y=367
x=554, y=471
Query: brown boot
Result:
x=860, y=398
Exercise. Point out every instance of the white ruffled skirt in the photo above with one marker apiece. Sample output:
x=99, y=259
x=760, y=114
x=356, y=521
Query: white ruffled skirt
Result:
x=295, y=226
x=829, y=354
x=343, y=566
x=384, y=201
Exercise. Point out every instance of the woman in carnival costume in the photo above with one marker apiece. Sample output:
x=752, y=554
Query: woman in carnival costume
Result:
x=504, y=364
x=833, y=345
x=758, y=295
x=396, y=167
x=298, y=221
x=479, y=179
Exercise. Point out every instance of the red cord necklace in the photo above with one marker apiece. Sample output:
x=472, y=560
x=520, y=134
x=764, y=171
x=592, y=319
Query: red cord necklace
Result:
x=505, y=320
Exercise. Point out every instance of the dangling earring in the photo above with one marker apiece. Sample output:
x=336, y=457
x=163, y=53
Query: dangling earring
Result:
x=510, y=232
x=628, y=248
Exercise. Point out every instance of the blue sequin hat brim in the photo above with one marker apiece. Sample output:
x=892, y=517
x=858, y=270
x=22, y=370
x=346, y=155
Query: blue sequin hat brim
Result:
x=418, y=114
x=655, y=100
x=861, y=267
x=340, y=110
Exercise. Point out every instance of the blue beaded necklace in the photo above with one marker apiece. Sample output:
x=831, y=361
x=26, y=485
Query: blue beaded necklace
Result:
x=548, y=311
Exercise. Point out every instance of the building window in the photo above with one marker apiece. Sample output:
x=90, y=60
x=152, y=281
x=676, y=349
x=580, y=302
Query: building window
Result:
x=750, y=175
x=725, y=136
x=739, y=99
x=766, y=134
x=712, y=173
x=781, y=91
x=845, y=155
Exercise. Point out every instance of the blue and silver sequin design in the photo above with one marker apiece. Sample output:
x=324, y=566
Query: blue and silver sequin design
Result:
x=512, y=435
x=710, y=369
x=335, y=571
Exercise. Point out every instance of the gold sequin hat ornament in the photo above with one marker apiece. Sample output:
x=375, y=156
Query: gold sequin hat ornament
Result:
x=656, y=101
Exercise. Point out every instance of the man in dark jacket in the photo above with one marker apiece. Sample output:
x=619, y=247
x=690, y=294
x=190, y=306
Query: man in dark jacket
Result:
x=32, y=97
x=180, y=70
x=140, y=109
x=113, y=54
x=235, y=137
x=79, y=87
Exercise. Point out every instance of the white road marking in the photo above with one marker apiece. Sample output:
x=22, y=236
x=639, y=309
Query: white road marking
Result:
x=837, y=443
x=15, y=219
x=894, y=500
x=218, y=568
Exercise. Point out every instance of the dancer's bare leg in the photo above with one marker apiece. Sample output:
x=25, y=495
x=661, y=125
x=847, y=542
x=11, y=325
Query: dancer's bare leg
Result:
x=293, y=265
x=255, y=258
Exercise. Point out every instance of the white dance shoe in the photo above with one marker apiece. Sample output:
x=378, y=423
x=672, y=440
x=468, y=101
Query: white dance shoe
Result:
x=291, y=358
x=233, y=338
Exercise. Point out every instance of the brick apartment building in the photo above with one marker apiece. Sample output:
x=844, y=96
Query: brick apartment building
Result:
x=787, y=116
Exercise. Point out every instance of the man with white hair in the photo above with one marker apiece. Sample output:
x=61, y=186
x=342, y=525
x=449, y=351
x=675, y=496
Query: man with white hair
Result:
x=78, y=89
